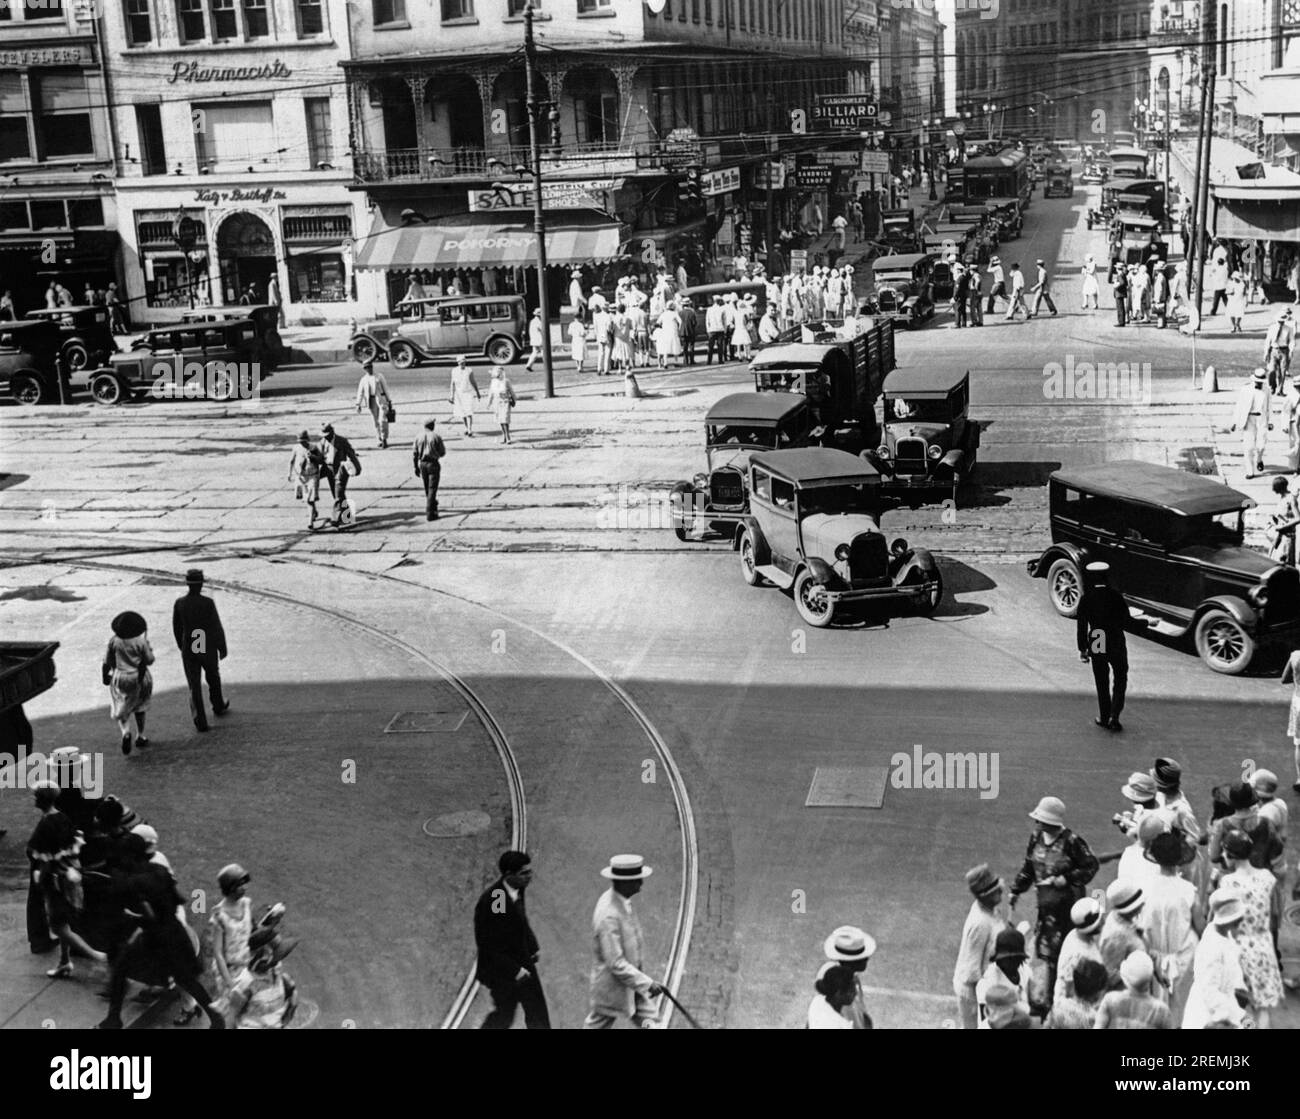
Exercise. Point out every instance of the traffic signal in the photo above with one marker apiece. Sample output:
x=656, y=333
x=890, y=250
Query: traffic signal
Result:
x=691, y=188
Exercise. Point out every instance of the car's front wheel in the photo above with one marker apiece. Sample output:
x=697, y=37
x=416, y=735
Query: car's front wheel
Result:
x=1223, y=643
x=502, y=351
x=1065, y=587
x=402, y=355
x=26, y=389
x=749, y=560
x=106, y=389
x=812, y=601
x=76, y=355
x=928, y=603
x=364, y=350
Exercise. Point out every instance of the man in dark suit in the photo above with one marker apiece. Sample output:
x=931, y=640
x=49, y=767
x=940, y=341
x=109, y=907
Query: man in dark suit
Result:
x=1103, y=614
x=202, y=642
x=507, y=948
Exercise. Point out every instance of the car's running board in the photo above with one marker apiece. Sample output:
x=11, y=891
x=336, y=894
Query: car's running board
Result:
x=775, y=575
x=1162, y=626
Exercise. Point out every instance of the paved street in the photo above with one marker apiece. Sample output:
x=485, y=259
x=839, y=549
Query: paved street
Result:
x=581, y=642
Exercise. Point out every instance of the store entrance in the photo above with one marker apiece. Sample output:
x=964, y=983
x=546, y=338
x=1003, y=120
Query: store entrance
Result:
x=246, y=257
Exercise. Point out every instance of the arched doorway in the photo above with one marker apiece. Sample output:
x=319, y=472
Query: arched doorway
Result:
x=246, y=256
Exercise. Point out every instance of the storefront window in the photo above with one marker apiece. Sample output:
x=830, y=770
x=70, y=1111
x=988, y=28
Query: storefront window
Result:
x=317, y=279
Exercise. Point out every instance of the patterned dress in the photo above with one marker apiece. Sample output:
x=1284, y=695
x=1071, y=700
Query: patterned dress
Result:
x=1258, y=962
x=236, y=927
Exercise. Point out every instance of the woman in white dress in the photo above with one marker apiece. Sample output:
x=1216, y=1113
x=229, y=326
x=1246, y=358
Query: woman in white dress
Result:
x=1236, y=301
x=741, y=339
x=622, y=352
x=126, y=672
x=501, y=398
x=1291, y=675
x=668, y=336
x=1172, y=919
x=1217, y=979
x=577, y=342
x=1090, y=286
x=462, y=385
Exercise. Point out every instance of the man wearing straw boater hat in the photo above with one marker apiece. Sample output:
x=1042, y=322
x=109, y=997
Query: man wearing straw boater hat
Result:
x=850, y=946
x=619, y=988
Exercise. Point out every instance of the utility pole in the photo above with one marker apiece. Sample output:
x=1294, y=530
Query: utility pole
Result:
x=770, y=145
x=1208, y=70
x=539, y=219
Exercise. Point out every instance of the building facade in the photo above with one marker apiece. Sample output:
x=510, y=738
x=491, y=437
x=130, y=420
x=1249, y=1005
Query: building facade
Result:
x=657, y=123
x=56, y=153
x=233, y=114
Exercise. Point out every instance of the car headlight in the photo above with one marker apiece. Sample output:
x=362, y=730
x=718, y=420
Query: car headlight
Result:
x=882, y=451
x=700, y=481
x=1257, y=597
x=934, y=452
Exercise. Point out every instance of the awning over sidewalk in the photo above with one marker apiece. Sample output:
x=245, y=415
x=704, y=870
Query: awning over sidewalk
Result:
x=461, y=244
x=1268, y=221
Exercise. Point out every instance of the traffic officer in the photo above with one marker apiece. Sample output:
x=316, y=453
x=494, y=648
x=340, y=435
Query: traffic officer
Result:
x=1252, y=418
x=1103, y=614
x=426, y=455
x=196, y=625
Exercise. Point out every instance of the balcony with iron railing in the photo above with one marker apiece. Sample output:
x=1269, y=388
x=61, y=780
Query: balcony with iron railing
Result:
x=433, y=164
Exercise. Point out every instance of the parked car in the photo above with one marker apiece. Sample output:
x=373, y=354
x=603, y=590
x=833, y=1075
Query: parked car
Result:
x=1094, y=174
x=87, y=338
x=1005, y=217
x=814, y=528
x=929, y=443
x=1174, y=544
x=898, y=230
x=28, y=352
x=734, y=428
x=214, y=344
x=902, y=288
x=1135, y=238
x=493, y=325
x=1060, y=181
x=268, y=348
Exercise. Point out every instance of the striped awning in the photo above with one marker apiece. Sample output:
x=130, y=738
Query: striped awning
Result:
x=438, y=245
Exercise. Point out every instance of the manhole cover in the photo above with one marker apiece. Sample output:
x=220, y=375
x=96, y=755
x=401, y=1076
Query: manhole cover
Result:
x=421, y=722
x=455, y=824
x=860, y=787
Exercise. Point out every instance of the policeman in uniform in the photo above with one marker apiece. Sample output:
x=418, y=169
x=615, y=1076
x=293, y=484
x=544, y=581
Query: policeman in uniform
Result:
x=426, y=455
x=1103, y=614
x=196, y=625
x=1251, y=418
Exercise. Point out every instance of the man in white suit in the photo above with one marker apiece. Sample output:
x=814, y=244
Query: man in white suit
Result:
x=619, y=988
x=1251, y=418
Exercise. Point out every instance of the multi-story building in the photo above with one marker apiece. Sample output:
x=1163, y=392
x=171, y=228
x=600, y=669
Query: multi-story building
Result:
x=56, y=153
x=233, y=113
x=1279, y=90
x=640, y=102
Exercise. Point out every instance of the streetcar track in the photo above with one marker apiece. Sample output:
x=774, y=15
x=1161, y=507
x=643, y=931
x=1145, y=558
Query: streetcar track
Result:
x=680, y=944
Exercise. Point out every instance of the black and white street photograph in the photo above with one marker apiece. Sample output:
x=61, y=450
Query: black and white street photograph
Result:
x=651, y=514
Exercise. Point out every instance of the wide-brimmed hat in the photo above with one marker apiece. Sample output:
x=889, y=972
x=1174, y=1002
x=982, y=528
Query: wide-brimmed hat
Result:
x=981, y=880
x=1137, y=970
x=1140, y=787
x=1124, y=898
x=1087, y=915
x=1225, y=906
x=129, y=624
x=1242, y=795
x=1010, y=945
x=1264, y=781
x=195, y=574
x=1259, y=375
x=1050, y=811
x=626, y=868
x=1171, y=848
x=849, y=943
x=1167, y=773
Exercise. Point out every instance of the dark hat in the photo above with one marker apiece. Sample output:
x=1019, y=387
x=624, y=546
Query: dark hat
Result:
x=128, y=624
x=194, y=575
x=1241, y=795
x=327, y=429
x=1168, y=774
x=1237, y=844
x=512, y=862
x=111, y=811
x=1010, y=945
x=430, y=423
x=1171, y=848
x=1090, y=978
x=981, y=880
x=305, y=435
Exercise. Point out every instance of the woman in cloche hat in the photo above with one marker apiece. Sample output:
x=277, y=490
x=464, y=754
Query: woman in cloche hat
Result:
x=126, y=672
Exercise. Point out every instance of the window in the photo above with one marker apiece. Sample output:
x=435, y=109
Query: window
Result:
x=138, y=28
x=463, y=9
x=708, y=11
x=48, y=214
x=15, y=142
x=516, y=7
x=695, y=11
x=240, y=134
x=762, y=485
x=190, y=15
x=320, y=148
x=310, y=18
x=394, y=11
x=62, y=110
x=83, y=212
x=596, y=115
x=225, y=21
x=741, y=5
x=148, y=123
x=256, y=25
x=13, y=215
x=317, y=278
x=782, y=493
x=588, y=5
x=43, y=9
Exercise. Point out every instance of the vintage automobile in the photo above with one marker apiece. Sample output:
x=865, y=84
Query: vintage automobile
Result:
x=735, y=427
x=226, y=349
x=268, y=347
x=493, y=325
x=841, y=380
x=1094, y=174
x=898, y=230
x=1005, y=216
x=929, y=442
x=29, y=373
x=1060, y=181
x=1128, y=163
x=87, y=338
x=26, y=670
x=1132, y=237
x=370, y=342
x=942, y=281
x=901, y=288
x=1174, y=544
x=1146, y=196
x=814, y=527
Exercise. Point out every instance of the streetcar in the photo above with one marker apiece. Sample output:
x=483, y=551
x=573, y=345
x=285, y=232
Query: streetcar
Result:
x=1005, y=175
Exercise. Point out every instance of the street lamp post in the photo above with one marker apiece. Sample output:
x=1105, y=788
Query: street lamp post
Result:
x=539, y=219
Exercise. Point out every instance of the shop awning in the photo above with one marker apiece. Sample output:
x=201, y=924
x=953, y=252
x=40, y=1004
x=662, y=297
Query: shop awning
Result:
x=1236, y=173
x=1249, y=221
x=434, y=245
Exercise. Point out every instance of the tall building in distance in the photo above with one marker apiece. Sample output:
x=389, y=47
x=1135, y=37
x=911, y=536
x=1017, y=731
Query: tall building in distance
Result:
x=56, y=152
x=233, y=113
